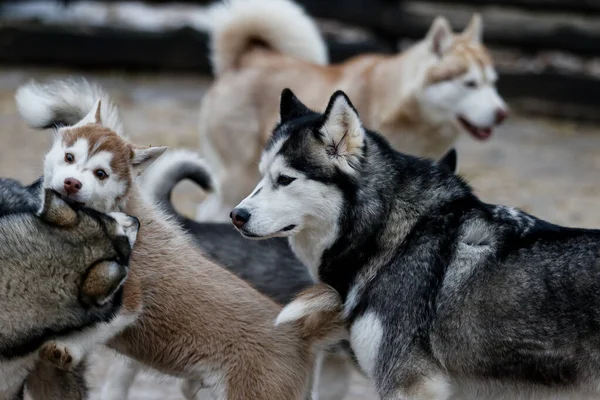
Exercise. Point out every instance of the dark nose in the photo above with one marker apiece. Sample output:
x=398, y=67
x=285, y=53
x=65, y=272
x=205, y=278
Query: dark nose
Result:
x=239, y=217
x=501, y=115
x=72, y=185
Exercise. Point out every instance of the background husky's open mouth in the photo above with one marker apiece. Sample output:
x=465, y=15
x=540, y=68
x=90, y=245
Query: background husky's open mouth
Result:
x=478, y=133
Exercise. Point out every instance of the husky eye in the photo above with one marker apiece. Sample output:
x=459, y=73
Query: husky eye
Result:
x=471, y=84
x=284, y=180
x=70, y=158
x=100, y=174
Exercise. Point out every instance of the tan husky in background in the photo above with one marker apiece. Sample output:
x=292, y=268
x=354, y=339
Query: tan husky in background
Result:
x=421, y=99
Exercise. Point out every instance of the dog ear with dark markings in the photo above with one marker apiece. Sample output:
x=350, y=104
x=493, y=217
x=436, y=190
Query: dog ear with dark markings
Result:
x=342, y=132
x=57, y=211
x=450, y=160
x=290, y=107
x=440, y=36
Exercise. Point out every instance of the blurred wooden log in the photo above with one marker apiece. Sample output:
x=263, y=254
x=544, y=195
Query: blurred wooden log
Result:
x=527, y=30
x=544, y=5
x=551, y=93
x=102, y=47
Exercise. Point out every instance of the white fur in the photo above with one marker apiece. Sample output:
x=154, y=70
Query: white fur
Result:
x=127, y=226
x=119, y=379
x=452, y=98
x=81, y=343
x=95, y=193
x=13, y=373
x=38, y=103
x=366, y=334
x=304, y=307
x=313, y=207
x=281, y=24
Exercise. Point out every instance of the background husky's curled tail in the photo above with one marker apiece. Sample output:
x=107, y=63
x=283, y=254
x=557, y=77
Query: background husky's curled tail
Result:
x=164, y=174
x=279, y=25
x=64, y=103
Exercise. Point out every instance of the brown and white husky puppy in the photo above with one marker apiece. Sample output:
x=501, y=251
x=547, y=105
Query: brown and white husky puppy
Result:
x=421, y=99
x=194, y=319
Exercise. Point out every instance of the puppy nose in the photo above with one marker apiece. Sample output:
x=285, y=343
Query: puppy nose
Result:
x=239, y=217
x=72, y=185
x=501, y=115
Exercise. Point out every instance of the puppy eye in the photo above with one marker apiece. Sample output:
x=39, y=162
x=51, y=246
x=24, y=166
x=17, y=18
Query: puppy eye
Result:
x=284, y=180
x=70, y=158
x=100, y=174
x=471, y=84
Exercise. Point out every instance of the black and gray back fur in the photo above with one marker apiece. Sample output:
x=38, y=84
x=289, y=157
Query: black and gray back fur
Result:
x=54, y=270
x=16, y=198
x=445, y=296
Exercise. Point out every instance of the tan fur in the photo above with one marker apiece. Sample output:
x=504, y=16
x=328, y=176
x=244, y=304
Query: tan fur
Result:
x=199, y=321
x=239, y=111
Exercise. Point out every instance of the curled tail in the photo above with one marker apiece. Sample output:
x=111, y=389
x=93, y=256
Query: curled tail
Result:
x=65, y=103
x=317, y=311
x=280, y=25
x=164, y=174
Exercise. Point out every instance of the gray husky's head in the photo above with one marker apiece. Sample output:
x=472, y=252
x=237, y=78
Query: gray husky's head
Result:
x=309, y=162
x=306, y=155
x=59, y=271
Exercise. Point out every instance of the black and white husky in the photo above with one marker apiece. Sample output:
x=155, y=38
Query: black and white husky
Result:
x=445, y=296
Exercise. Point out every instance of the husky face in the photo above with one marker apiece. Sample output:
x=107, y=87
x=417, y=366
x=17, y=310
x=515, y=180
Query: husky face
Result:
x=92, y=165
x=308, y=164
x=460, y=86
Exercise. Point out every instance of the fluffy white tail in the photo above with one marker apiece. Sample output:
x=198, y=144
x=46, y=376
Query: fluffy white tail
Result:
x=278, y=24
x=64, y=103
x=317, y=311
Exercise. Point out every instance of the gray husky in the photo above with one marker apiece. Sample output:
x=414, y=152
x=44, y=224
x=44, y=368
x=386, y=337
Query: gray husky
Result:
x=61, y=273
x=444, y=296
x=269, y=266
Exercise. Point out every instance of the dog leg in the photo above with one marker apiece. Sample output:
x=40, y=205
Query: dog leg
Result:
x=415, y=386
x=119, y=379
x=47, y=382
x=195, y=390
x=333, y=381
x=67, y=352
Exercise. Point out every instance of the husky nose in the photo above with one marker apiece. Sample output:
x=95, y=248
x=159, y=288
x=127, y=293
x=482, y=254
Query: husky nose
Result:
x=239, y=217
x=72, y=185
x=501, y=115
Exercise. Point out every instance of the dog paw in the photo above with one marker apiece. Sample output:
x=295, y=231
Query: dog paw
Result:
x=57, y=355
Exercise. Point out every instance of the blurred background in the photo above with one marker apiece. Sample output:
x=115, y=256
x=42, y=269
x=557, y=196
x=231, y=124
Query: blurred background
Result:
x=152, y=58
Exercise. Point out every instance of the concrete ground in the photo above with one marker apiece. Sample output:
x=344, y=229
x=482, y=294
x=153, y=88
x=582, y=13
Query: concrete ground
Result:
x=548, y=168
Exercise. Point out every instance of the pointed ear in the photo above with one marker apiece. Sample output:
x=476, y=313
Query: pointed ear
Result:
x=92, y=117
x=290, y=107
x=342, y=130
x=56, y=211
x=440, y=36
x=474, y=31
x=142, y=157
x=450, y=160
